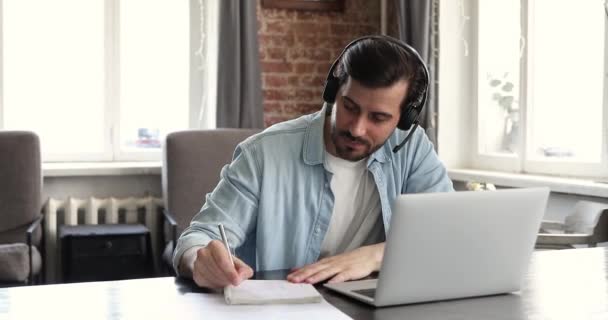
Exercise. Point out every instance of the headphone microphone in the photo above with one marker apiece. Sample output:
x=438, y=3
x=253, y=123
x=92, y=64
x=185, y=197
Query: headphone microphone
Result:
x=418, y=91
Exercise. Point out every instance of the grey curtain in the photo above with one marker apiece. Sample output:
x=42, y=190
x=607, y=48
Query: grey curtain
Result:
x=239, y=93
x=415, y=18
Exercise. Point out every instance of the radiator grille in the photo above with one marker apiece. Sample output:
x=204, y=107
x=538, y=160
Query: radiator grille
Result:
x=76, y=211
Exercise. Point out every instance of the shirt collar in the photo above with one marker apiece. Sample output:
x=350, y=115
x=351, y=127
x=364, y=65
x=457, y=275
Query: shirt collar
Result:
x=314, y=144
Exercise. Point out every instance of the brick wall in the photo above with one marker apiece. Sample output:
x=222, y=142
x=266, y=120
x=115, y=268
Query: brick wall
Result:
x=297, y=49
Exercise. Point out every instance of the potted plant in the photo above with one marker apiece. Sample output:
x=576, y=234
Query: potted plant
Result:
x=503, y=95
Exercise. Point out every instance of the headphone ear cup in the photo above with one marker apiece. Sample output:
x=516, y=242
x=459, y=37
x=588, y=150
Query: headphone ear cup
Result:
x=331, y=90
x=407, y=119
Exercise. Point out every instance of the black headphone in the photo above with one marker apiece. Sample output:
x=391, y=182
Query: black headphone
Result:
x=416, y=98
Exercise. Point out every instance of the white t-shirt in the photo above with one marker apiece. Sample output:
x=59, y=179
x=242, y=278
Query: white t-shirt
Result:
x=355, y=220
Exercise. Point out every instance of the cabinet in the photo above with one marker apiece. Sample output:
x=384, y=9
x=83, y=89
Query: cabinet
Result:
x=105, y=252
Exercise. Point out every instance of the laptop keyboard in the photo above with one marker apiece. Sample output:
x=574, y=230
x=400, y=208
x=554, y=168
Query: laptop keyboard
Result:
x=366, y=292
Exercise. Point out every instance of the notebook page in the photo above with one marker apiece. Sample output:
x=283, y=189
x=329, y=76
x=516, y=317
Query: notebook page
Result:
x=271, y=292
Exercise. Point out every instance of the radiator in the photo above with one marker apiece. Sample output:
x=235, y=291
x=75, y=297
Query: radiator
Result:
x=75, y=211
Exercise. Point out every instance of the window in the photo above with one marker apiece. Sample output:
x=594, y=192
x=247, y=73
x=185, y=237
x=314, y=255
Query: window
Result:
x=98, y=80
x=154, y=72
x=541, y=89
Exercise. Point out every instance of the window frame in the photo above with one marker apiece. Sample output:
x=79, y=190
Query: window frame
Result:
x=112, y=149
x=524, y=163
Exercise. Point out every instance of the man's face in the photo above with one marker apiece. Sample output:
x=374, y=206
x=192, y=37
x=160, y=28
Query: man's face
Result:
x=363, y=118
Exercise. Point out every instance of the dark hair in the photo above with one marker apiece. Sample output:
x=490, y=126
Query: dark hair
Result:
x=377, y=63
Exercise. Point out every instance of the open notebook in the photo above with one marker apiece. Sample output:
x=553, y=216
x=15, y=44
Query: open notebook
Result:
x=271, y=292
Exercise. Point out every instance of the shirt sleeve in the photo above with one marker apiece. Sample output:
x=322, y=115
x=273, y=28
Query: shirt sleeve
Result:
x=426, y=172
x=233, y=202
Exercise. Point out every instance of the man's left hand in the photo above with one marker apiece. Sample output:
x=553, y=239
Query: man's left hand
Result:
x=352, y=265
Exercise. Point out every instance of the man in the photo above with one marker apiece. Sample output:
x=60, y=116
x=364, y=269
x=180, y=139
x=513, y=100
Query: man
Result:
x=314, y=194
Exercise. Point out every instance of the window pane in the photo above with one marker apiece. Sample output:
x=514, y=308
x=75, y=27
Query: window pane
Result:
x=567, y=70
x=154, y=60
x=54, y=72
x=498, y=76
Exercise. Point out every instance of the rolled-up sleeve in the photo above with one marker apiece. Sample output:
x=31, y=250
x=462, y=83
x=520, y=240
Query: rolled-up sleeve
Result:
x=233, y=202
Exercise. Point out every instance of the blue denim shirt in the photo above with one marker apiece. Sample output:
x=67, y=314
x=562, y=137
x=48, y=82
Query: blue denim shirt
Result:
x=275, y=200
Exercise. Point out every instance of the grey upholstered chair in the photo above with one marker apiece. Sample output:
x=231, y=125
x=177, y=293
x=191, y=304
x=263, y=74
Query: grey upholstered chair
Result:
x=192, y=161
x=586, y=226
x=20, y=208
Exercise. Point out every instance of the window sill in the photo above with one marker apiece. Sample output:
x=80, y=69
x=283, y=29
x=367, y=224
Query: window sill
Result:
x=556, y=184
x=72, y=169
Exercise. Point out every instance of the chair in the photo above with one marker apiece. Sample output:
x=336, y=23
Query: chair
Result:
x=20, y=208
x=588, y=225
x=192, y=161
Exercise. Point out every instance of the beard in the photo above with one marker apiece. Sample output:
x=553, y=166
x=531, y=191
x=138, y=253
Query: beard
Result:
x=341, y=140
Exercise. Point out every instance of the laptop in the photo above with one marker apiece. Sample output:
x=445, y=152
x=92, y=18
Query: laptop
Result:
x=454, y=245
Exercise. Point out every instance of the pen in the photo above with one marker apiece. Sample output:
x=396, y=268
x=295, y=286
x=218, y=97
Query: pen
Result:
x=225, y=240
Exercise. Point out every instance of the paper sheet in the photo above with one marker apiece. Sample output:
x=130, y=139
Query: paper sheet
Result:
x=271, y=292
x=212, y=306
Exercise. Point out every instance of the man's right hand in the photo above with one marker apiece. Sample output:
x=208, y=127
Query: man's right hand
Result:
x=212, y=267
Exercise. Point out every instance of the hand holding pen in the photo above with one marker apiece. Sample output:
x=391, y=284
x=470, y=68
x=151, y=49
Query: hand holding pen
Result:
x=215, y=267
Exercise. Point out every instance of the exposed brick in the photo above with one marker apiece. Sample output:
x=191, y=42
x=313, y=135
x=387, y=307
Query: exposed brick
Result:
x=313, y=41
x=277, y=14
x=277, y=53
x=276, y=27
x=314, y=54
x=310, y=15
x=366, y=29
x=304, y=68
x=276, y=40
x=278, y=67
x=273, y=80
x=275, y=95
x=291, y=94
x=293, y=80
x=304, y=95
x=270, y=120
x=340, y=28
x=312, y=80
x=311, y=28
x=335, y=53
x=289, y=107
x=323, y=68
x=339, y=43
x=297, y=48
x=317, y=93
x=303, y=108
x=272, y=107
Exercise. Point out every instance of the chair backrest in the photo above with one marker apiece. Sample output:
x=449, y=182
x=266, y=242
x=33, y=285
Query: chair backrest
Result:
x=192, y=161
x=585, y=218
x=600, y=232
x=20, y=183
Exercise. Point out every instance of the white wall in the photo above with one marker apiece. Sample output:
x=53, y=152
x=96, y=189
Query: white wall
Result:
x=102, y=186
x=456, y=95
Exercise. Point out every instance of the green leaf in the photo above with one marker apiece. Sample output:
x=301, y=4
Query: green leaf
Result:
x=506, y=102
